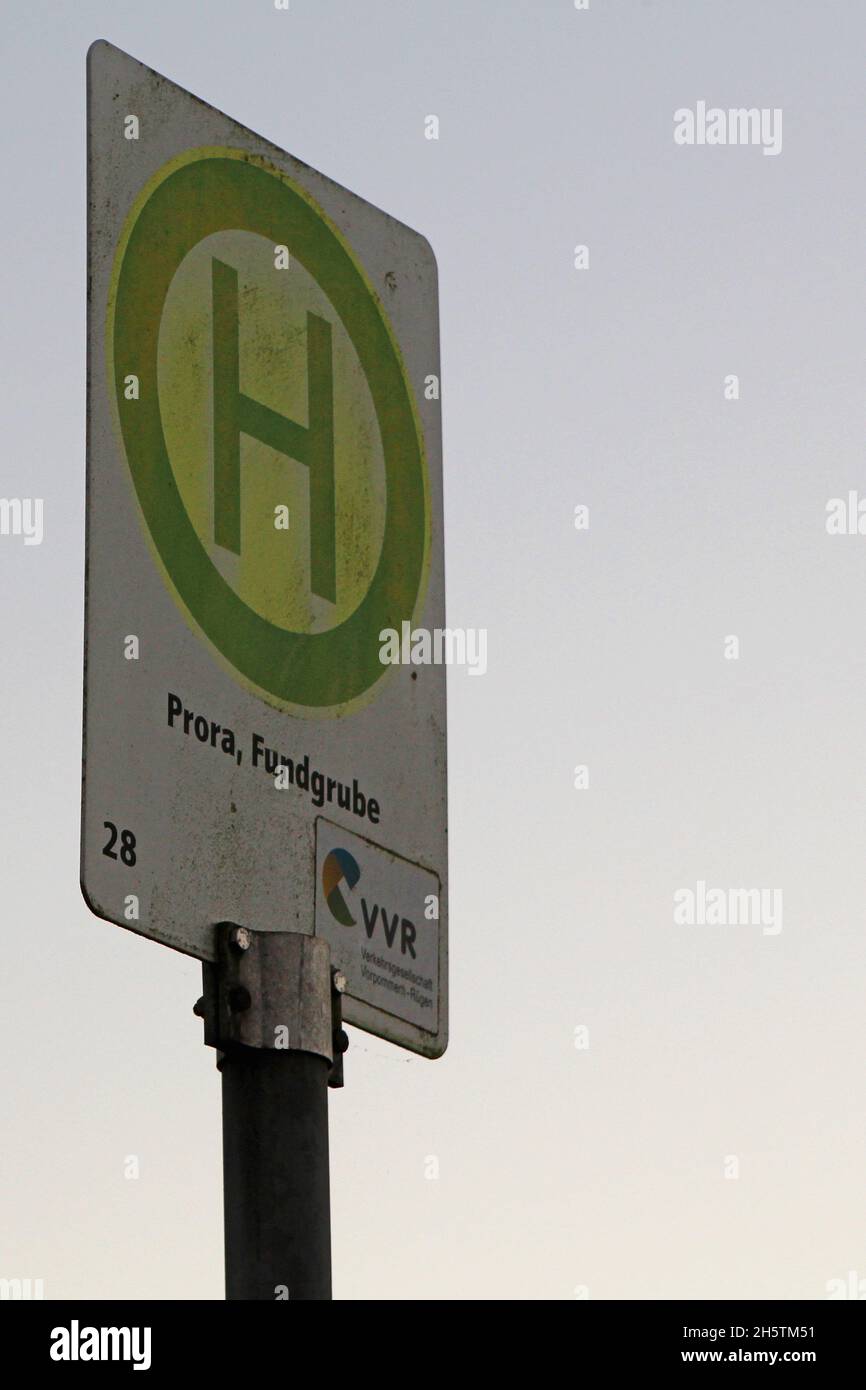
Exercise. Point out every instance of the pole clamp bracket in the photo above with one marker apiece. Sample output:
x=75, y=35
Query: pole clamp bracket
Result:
x=273, y=990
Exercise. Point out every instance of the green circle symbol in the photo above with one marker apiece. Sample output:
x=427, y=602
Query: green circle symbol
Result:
x=208, y=191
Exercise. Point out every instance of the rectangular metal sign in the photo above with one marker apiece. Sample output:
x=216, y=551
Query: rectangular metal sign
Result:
x=264, y=543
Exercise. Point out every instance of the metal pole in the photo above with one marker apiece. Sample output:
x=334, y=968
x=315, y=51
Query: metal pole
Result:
x=276, y=1186
x=271, y=1006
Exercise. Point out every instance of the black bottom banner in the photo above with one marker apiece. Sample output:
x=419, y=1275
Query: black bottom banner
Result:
x=239, y=1339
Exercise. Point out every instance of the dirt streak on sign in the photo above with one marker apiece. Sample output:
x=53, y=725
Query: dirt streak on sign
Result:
x=264, y=500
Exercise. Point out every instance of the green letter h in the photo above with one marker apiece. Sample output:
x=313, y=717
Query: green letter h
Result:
x=235, y=413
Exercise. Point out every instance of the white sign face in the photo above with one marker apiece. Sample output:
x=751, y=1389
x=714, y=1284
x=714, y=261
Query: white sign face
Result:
x=264, y=512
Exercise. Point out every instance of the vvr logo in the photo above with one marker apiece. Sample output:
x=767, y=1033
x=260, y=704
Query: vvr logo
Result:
x=341, y=867
x=389, y=928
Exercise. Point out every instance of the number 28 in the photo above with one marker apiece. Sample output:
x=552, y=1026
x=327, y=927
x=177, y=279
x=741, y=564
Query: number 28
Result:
x=127, y=844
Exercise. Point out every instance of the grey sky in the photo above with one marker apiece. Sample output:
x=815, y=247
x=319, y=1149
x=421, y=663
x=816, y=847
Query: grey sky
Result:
x=559, y=1167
